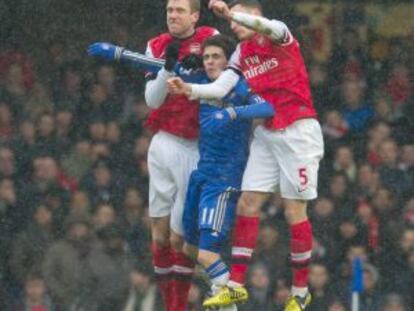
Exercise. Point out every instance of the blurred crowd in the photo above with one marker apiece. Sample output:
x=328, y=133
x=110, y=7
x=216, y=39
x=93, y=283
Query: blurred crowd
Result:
x=74, y=229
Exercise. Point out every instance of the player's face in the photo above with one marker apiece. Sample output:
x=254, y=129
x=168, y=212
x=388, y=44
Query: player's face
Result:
x=214, y=61
x=242, y=32
x=181, y=19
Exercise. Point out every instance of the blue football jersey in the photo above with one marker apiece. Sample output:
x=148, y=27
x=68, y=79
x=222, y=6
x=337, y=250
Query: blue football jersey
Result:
x=224, y=152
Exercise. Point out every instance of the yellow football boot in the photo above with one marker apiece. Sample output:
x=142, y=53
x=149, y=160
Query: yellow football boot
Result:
x=226, y=296
x=296, y=303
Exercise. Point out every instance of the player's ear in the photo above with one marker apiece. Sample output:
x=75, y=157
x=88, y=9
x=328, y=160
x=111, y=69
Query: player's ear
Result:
x=195, y=17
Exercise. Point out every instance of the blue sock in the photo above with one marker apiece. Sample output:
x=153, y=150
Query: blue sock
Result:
x=219, y=273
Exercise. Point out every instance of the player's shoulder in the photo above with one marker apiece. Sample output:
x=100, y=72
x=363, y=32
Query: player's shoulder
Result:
x=260, y=41
x=242, y=83
x=239, y=93
x=242, y=87
x=158, y=43
x=205, y=32
x=163, y=37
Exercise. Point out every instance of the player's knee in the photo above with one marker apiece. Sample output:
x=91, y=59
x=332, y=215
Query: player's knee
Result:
x=248, y=205
x=188, y=250
x=295, y=211
x=160, y=232
x=206, y=257
x=160, y=241
x=176, y=242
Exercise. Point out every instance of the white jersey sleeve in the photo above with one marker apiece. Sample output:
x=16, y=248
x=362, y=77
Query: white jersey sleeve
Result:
x=156, y=90
x=274, y=29
x=218, y=89
x=235, y=61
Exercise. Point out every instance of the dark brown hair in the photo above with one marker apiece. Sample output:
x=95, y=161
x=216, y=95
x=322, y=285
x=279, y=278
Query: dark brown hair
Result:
x=221, y=41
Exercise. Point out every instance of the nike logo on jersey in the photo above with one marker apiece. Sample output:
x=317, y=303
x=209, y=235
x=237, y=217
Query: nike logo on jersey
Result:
x=302, y=189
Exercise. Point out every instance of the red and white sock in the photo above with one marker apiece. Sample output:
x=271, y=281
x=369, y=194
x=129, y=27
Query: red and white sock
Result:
x=163, y=264
x=183, y=270
x=300, y=252
x=244, y=240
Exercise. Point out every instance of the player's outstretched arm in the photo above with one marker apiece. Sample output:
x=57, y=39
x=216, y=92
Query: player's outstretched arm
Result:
x=260, y=109
x=255, y=107
x=113, y=52
x=276, y=30
x=217, y=89
x=156, y=89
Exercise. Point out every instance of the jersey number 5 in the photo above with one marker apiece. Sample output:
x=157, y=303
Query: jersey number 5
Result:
x=303, y=176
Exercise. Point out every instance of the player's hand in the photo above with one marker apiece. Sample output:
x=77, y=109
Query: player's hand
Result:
x=171, y=55
x=220, y=8
x=177, y=86
x=105, y=50
x=192, y=62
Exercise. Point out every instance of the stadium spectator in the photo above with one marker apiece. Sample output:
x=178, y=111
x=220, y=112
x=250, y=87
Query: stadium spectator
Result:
x=35, y=297
x=319, y=279
x=67, y=265
x=30, y=245
x=143, y=292
x=259, y=281
x=110, y=268
x=104, y=215
x=271, y=249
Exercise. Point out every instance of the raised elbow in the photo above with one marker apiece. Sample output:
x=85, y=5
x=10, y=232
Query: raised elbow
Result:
x=152, y=103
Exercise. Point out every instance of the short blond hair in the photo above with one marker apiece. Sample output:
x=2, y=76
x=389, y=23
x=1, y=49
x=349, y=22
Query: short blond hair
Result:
x=195, y=5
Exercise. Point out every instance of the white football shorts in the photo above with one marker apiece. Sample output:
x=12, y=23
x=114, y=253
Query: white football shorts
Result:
x=171, y=159
x=285, y=160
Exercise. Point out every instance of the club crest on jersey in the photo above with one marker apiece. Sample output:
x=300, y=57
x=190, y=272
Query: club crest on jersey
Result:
x=195, y=48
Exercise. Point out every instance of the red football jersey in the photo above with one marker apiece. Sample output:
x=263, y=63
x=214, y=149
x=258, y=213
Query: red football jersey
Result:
x=178, y=115
x=276, y=72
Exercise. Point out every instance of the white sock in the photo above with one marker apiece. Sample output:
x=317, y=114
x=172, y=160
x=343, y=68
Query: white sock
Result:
x=299, y=291
x=233, y=284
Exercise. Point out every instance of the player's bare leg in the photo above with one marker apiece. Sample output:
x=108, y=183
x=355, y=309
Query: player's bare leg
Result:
x=176, y=241
x=243, y=243
x=300, y=250
x=190, y=251
x=160, y=230
x=206, y=258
